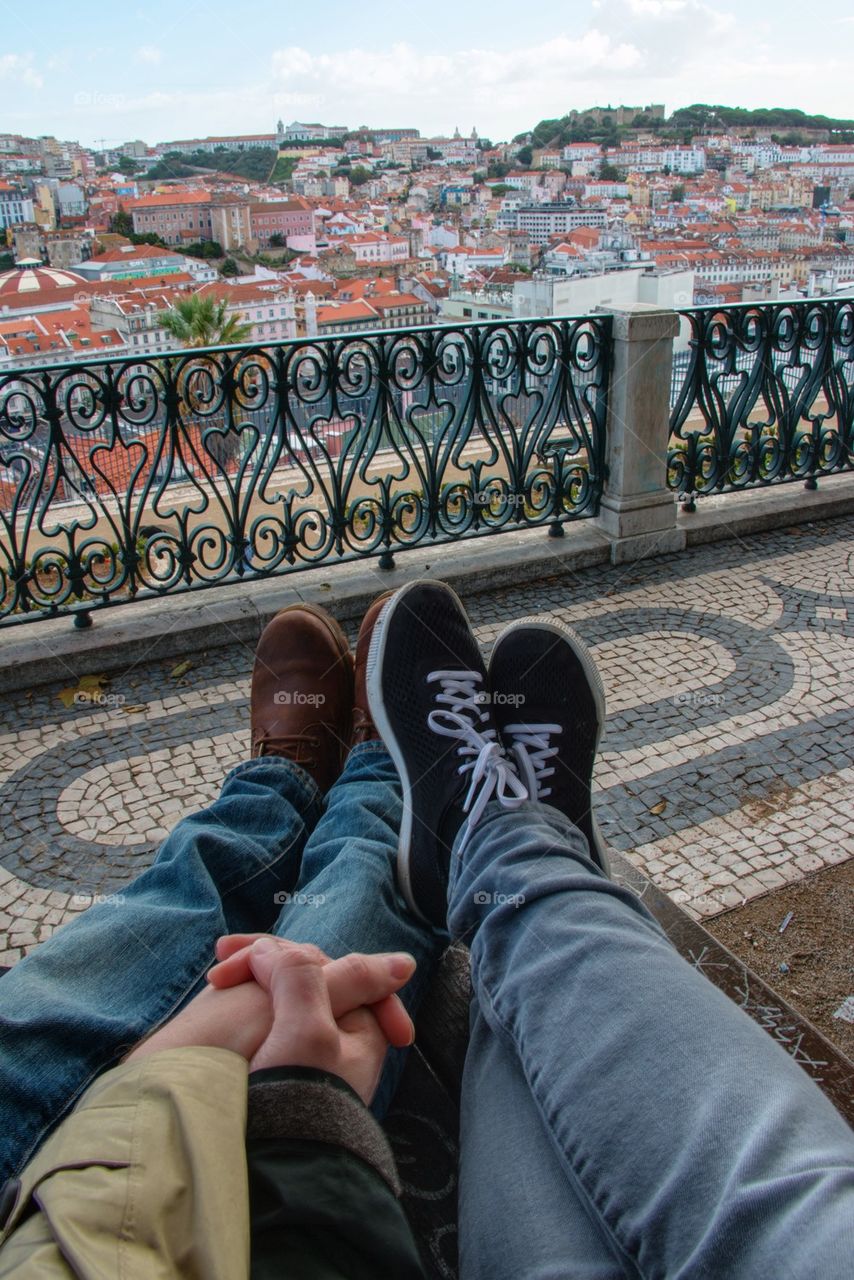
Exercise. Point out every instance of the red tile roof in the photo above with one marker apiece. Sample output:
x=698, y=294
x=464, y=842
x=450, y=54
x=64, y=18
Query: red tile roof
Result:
x=338, y=312
x=173, y=198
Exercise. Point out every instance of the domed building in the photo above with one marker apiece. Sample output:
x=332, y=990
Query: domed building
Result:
x=32, y=285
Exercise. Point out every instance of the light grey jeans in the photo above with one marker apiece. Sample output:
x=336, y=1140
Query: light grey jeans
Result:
x=620, y=1115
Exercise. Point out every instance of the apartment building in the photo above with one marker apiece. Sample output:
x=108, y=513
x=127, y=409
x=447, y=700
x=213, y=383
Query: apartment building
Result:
x=376, y=247
x=177, y=217
x=31, y=341
x=280, y=217
x=400, y=310
x=543, y=158
x=299, y=132
x=269, y=307
x=681, y=160
x=542, y=221
x=135, y=316
x=581, y=151
x=15, y=206
x=216, y=142
x=462, y=260
x=383, y=311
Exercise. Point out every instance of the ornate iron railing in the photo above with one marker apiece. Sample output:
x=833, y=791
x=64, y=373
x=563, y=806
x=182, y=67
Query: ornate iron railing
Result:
x=140, y=476
x=764, y=394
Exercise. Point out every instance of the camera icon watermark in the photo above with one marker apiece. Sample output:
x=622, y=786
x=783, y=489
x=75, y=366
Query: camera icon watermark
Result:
x=97, y=899
x=497, y=497
x=483, y=898
x=286, y=698
x=498, y=698
x=94, y=697
x=699, y=700
x=101, y=101
x=283, y=898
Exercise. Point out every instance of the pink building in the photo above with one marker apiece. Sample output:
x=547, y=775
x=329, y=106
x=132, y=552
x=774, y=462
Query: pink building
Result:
x=280, y=217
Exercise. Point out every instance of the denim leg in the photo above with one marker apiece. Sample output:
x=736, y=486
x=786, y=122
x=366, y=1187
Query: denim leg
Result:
x=347, y=898
x=531, y=1224
x=73, y=1007
x=695, y=1142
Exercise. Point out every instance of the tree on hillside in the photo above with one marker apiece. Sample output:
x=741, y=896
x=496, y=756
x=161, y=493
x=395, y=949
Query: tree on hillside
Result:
x=229, y=268
x=525, y=156
x=359, y=175
x=203, y=249
x=677, y=195
x=201, y=321
x=121, y=223
x=148, y=237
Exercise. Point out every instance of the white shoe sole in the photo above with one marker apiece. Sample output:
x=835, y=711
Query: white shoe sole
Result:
x=373, y=680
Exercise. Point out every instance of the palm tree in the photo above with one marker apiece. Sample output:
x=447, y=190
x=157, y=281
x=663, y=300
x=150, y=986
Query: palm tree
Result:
x=201, y=321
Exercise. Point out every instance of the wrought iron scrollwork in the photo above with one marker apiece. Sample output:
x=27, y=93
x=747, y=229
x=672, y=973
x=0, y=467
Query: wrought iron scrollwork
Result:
x=764, y=394
x=142, y=476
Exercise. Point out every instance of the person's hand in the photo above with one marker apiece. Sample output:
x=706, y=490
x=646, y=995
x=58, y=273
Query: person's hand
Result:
x=244, y=1017
x=321, y=1013
x=238, y=1019
x=232, y=968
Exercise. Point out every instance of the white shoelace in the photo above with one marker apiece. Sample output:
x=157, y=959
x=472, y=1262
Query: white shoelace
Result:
x=460, y=715
x=533, y=751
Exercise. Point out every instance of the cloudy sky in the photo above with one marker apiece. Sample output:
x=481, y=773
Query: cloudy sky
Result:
x=170, y=69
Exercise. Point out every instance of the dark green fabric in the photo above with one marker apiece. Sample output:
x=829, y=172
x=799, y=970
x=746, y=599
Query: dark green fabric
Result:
x=317, y=1211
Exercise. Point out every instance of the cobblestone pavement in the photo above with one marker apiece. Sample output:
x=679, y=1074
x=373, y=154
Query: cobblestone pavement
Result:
x=726, y=769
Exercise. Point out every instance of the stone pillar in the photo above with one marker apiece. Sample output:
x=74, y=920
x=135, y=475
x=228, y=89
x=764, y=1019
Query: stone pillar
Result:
x=638, y=511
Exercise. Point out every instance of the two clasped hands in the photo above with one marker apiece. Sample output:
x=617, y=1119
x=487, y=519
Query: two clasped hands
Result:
x=281, y=1003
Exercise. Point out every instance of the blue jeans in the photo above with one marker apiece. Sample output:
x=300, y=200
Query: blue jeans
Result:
x=267, y=855
x=620, y=1115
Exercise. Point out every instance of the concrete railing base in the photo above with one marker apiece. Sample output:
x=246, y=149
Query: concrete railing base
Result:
x=644, y=545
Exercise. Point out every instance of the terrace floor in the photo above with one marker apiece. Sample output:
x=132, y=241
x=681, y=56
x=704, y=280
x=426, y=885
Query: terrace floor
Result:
x=727, y=768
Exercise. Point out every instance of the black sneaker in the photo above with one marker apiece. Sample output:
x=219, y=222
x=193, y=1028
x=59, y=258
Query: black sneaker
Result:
x=549, y=705
x=426, y=682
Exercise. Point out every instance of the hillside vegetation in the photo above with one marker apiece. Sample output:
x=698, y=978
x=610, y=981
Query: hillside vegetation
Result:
x=786, y=122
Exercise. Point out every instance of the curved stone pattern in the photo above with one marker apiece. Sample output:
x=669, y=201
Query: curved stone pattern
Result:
x=726, y=768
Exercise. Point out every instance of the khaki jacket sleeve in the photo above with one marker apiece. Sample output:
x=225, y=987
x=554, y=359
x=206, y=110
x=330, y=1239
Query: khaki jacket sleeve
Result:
x=145, y=1179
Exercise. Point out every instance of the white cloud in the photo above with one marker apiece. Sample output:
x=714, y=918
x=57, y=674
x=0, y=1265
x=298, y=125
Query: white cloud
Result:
x=438, y=90
x=403, y=69
x=19, y=69
x=660, y=27
x=148, y=53
x=657, y=8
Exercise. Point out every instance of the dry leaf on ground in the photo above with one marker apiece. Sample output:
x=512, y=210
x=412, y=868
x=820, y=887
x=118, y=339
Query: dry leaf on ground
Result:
x=86, y=690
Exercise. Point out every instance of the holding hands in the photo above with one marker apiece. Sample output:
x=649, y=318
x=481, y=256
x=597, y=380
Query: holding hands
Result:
x=280, y=1003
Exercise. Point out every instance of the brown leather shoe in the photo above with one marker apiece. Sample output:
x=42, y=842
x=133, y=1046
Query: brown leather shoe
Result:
x=302, y=692
x=364, y=729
